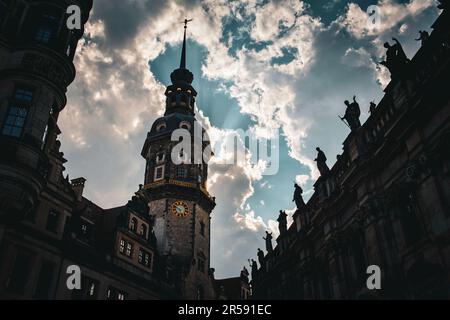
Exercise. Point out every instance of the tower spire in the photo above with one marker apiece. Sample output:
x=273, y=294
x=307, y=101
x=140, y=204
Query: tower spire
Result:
x=183, y=51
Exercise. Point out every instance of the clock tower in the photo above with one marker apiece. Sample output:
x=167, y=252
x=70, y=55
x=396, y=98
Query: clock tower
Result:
x=175, y=185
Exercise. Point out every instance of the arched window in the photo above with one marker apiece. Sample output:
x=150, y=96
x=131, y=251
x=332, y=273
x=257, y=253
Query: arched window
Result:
x=143, y=231
x=185, y=125
x=133, y=224
x=160, y=126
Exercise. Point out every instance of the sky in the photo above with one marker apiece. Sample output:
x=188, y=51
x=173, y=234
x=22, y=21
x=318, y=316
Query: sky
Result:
x=283, y=66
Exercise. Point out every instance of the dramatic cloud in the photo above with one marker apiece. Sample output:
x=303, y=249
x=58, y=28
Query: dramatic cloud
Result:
x=285, y=67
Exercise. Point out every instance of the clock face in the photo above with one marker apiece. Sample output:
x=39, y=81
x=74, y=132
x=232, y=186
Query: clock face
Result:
x=180, y=209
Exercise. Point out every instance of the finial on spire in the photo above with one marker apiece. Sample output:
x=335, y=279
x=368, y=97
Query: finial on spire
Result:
x=183, y=52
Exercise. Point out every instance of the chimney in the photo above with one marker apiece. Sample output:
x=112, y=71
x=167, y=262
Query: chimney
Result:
x=78, y=186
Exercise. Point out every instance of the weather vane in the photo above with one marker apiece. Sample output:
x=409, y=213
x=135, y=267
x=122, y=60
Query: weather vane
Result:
x=186, y=21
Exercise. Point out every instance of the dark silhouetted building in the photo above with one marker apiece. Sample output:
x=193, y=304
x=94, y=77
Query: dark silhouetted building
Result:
x=385, y=202
x=157, y=246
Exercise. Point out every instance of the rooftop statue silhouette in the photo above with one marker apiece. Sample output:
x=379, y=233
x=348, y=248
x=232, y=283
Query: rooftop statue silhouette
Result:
x=254, y=268
x=423, y=36
x=373, y=107
x=321, y=162
x=282, y=222
x=268, y=239
x=261, y=257
x=352, y=114
x=298, y=197
x=396, y=59
x=444, y=4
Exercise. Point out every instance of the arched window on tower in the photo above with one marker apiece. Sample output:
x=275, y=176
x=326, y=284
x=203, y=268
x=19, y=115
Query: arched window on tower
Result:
x=46, y=30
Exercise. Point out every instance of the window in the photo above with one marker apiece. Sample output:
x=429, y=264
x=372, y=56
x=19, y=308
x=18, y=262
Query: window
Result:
x=122, y=246
x=17, y=112
x=115, y=294
x=85, y=231
x=129, y=250
x=160, y=156
x=185, y=125
x=202, y=228
x=159, y=173
x=181, y=172
x=23, y=94
x=133, y=224
x=145, y=258
x=88, y=291
x=15, y=121
x=19, y=275
x=52, y=221
x=143, y=230
x=45, y=280
x=125, y=248
x=44, y=32
x=160, y=126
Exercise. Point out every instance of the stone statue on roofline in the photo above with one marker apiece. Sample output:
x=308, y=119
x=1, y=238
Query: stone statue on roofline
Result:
x=423, y=37
x=321, y=162
x=298, y=197
x=261, y=257
x=444, y=4
x=254, y=268
x=352, y=114
x=396, y=59
x=268, y=239
x=282, y=222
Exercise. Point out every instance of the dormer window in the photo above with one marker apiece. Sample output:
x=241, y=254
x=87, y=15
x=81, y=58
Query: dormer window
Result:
x=178, y=89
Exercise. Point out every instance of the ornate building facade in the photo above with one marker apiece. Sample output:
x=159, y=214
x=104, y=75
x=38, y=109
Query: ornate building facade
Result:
x=157, y=246
x=385, y=202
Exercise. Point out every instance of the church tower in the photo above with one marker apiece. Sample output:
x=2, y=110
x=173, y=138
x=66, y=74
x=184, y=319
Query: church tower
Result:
x=175, y=184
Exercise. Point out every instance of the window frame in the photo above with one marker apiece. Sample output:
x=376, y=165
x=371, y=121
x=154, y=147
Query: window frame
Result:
x=181, y=171
x=156, y=177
